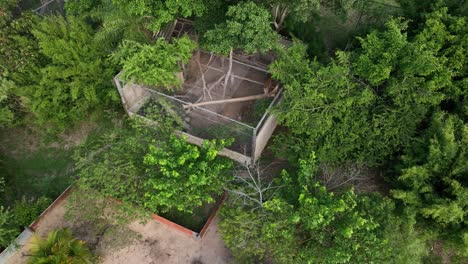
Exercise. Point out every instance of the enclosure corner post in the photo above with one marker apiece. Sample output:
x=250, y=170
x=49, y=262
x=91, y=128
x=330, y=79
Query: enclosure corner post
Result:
x=254, y=144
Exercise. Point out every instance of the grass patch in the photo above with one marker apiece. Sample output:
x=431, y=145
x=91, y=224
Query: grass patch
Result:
x=34, y=165
x=46, y=172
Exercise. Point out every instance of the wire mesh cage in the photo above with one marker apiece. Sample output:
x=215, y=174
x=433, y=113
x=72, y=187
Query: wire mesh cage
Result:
x=47, y=7
x=220, y=98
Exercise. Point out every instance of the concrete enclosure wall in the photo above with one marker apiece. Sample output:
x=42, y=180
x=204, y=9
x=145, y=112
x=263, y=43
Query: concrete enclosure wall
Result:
x=134, y=95
x=224, y=152
x=264, y=135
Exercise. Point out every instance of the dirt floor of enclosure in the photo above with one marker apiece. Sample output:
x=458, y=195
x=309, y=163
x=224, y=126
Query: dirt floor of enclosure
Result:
x=205, y=82
x=148, y=243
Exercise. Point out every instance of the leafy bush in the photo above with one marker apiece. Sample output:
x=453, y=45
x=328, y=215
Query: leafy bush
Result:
x=154, y=65
x=25, y=212
x=296, y=220
x=182, y=176
x=6, y=115
x=20, y=57
x=78, y=78
x=247, y=28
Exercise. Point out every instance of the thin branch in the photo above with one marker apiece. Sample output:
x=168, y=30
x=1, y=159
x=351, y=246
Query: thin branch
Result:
x=228, y=75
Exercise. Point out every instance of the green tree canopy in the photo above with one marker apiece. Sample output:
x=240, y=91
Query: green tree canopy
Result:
x=154, y=64
x=247, y=28
x=433, y=184
x=144, y=164
x=368, y=104
x=303, y=222
x=115, y=21
x=77, y=78
x=182, y=176
x=162, y=12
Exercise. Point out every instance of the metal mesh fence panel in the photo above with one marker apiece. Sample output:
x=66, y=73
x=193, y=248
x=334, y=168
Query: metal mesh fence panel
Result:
x=200, y=122
x=46, y=7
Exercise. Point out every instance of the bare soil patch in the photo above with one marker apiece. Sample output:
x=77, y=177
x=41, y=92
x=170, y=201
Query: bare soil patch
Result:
x=152, y=242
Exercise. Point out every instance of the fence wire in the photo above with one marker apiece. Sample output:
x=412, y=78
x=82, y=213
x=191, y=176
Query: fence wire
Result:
x=48, y=7
x=200, y=122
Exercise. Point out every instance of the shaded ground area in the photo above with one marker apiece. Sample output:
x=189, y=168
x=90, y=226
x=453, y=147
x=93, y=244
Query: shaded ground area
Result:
x=196, y=220
x=159, y=244
x=34, y=165
x=152, y=242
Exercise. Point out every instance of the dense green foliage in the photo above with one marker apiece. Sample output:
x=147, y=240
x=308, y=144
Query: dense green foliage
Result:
x=363, y=105
x=59, y=247
x=304, y=222
x=113, y=164
x=26, y=212
x=8, y=231
x=377, y=90
x=247, y=28
x=163, y=175
x=19, y=54
x=184, y=176
x=156, y=64
x=6, y=114
x=162, y=12
x=18, y=50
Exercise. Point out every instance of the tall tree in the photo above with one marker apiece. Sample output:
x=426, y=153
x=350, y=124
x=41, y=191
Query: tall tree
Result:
x=433, y=183
x=182, y=176
x=246, y=28
x=114, y=21
x=299, y=221
x=297, y=10
x=144, y=164
x=77, y=78
x=369, y=104
x=155, y=64
x=161, y=12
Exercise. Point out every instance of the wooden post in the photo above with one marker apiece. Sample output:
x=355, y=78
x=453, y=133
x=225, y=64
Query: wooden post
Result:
x=233, y=100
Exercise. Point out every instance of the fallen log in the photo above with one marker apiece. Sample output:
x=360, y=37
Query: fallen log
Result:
x=232, y=100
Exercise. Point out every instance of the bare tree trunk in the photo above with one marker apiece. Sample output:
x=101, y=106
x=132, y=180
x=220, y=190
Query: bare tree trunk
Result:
x=254, y=187
x=279, y=14
x=228, y=74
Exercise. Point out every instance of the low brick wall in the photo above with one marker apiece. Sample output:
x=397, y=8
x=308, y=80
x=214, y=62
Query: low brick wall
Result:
x=59, y=199
x=24, y=236
x=187, y=231
x=212, y=215
x=20, y=241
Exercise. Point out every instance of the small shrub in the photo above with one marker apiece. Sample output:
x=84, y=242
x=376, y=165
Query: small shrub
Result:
x=8, y=231
x=59, y=247
x=25, y=212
